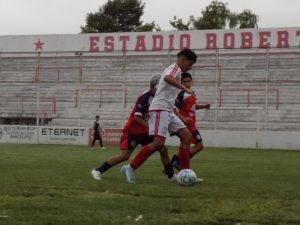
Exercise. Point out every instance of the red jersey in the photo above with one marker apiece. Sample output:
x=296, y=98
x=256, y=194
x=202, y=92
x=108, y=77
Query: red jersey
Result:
x=186, y=105
x=140, y=108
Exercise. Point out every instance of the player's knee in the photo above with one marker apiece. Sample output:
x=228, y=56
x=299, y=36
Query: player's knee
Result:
x=157, y=145
x=125, y=157
x=163, y=150
x=199, y=146
x=187, y=138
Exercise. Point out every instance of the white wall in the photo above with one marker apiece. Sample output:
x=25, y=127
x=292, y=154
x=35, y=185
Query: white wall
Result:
x=247, y=139
x=218, y=138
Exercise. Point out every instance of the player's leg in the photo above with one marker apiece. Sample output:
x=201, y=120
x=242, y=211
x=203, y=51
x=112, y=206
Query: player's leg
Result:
x=198, y=146
x=101, y=142
x=158, y=124
x=127, y=145
x=197, y=140
x=165, y=159
x=164, y=156
x=140, y=158
x=94, y=141
x=184, y=148
x=146, y=151
x=177, y=126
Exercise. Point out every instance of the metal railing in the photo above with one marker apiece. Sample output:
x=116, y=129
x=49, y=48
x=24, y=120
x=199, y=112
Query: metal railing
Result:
x=216, y=71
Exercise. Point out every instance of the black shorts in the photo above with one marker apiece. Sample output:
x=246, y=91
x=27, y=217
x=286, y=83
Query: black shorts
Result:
x=130, y=141
x=97, y=136
x=196, y=137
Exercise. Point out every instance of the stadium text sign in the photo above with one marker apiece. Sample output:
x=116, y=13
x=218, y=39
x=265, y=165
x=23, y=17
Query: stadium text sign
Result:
x=63, y=135
x=63, y=131
x=194, y=39
x=155, y=41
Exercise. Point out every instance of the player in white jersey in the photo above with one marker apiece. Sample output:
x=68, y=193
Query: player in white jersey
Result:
x=162, y=117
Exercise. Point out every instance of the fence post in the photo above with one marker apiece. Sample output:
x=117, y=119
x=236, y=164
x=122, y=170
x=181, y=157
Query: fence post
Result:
x=38, y=70
x=267, y=88
x=38, y=89
x=124, y=65
x=218, y=92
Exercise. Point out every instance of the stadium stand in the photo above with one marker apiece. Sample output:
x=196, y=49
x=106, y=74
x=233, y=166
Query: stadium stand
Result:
x=253, y=89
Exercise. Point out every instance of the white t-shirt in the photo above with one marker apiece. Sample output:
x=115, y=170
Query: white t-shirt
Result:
x=166, y=94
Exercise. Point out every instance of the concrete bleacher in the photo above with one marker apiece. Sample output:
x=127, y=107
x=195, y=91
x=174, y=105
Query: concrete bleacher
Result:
x=84, y=86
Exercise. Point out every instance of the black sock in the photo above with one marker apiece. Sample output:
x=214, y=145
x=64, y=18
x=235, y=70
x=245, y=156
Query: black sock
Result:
x=174, y=158
x=105, y=166
x=169, y=170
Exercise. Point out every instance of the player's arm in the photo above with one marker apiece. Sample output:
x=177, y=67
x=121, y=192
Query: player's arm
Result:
x=178, y=105
x=170, y=80
x=139, y=120
x=103, y=130
x=204, y=106
x=140, y=109
x=185, y=120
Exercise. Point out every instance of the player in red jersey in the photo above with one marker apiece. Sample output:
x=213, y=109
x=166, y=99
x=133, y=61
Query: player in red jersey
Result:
x=136, y=133
x=162, y=117
x=187, y=106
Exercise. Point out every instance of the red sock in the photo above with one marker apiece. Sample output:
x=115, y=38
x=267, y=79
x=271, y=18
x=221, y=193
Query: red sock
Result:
x=184, y=157
x=141, y=157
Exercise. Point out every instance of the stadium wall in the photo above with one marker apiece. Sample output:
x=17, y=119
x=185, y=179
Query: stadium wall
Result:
x=247, y=139
x=81, y=136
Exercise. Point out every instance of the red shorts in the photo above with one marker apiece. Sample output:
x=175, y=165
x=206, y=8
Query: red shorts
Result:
x=130, y=141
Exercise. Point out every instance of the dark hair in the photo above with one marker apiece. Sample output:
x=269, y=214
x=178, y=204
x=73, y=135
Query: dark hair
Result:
x=97, y=117
x=186, y=75
x=189, y=54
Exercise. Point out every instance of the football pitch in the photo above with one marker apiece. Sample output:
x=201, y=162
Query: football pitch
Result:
x=51, y=185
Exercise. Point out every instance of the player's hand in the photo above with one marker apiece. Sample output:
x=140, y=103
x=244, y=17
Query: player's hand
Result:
x=187, y=120
x=191, y=92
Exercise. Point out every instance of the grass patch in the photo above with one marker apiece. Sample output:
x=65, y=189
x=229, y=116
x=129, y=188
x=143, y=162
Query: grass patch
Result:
x=51, y=184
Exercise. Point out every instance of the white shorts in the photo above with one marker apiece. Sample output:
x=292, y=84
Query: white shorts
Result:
x=160, y=122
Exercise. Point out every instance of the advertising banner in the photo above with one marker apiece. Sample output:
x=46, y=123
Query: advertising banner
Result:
x=18, y=134
x=63, y=135
x=55, y=135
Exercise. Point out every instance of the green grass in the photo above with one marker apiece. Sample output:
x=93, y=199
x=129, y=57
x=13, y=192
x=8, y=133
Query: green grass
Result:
x=51, y=184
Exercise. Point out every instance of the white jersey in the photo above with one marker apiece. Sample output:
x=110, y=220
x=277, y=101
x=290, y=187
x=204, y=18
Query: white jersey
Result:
x=166, y=94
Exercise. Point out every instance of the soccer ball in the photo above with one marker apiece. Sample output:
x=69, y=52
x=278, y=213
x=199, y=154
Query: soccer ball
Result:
x=187, y=177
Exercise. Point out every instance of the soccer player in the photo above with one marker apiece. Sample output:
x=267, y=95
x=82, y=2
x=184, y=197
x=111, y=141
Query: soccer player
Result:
x=97, y=133
x=186, y=104
x=136, y=132
x=162, y=116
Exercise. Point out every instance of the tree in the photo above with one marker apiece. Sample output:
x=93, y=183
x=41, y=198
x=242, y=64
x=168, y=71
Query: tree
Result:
x=178, y=24
x=217, y=16
x=148, y=27
x=247, y=19
x=115, y=16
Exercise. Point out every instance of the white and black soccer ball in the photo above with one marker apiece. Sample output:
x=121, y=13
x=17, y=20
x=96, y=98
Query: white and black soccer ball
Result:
x=187, y=177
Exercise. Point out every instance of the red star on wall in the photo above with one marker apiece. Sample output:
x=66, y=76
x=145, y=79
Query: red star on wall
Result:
x=39, y=45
